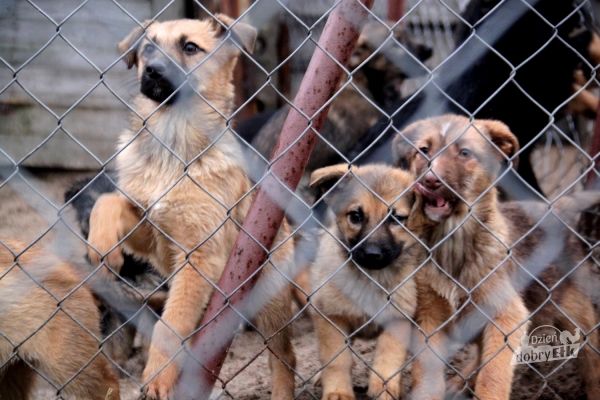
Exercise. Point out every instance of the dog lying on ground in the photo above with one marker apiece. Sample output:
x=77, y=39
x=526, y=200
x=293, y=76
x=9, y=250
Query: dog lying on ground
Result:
x=477, y=80
x=187, y=193
x=370, y=224
x=471, y=239
x=50, y=327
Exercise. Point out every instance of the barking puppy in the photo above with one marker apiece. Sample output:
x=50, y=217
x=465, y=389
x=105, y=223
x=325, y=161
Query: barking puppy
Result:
x=466, y=289
x=186, y=189
x=61, y=344
x=362, y=274
x=464, y=176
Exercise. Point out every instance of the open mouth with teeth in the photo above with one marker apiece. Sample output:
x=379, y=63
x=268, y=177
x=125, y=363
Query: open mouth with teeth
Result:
x=437, y=205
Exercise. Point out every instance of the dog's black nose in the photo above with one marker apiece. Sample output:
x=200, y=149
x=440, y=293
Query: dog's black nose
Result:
x=155, y=70
x=373, y=252
x=376, y=256
x=159, y=82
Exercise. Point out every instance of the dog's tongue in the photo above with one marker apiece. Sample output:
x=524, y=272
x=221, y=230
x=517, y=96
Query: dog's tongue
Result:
x=440, y=201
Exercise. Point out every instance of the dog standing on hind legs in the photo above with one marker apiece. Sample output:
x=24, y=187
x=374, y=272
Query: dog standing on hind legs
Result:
x=185, y=186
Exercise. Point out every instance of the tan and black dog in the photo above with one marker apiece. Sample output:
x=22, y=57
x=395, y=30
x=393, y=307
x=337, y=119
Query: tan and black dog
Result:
x=458, y=162
x=184, y=183
x=361, y=276
x=467, y=289
x=49, y=321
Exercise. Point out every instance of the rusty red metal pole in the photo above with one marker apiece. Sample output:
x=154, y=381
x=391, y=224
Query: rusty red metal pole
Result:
x=230, y=7
x=395, y=9
x=594, y=151
x=264, y=218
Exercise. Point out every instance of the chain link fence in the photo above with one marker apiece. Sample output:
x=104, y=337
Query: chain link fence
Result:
x=422, y=255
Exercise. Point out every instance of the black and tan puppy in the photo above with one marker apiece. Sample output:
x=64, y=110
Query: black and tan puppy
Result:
x=361, y=277
x=185, y=190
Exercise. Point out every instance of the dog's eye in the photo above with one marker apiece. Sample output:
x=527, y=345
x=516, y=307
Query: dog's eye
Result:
x=399, y=219
x=424, y=150
x=190, y=48
x=356, y=216
x=465, y=153
x=149, y=49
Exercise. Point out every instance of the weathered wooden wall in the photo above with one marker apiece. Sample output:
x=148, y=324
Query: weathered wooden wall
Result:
x=59, y=78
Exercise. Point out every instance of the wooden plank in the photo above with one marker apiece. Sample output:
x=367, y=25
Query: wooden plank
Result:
x=59, y=76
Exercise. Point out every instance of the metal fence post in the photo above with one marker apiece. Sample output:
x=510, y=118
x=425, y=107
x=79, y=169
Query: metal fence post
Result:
x=395, y=10
x=264, y=218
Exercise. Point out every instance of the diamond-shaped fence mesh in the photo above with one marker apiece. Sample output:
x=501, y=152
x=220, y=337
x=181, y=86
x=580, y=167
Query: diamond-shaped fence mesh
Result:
x=334, y=199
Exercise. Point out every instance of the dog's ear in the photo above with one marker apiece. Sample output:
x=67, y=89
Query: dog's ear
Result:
x=323, y=179
x=242, y=33
x=503, y=138
x=403, y=150
x=129, y=45
x=594, y=48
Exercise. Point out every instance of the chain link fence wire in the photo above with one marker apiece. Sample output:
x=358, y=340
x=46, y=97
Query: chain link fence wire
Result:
x=82, y=318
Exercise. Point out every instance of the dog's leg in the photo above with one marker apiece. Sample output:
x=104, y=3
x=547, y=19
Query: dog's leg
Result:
x=578, y=307
x=336, y=378
x=428, y=368
x=189, y=293
x=282, y=361
x=385, y=380
x=494, y=380
x=303, y=281
x=275, y=316
x=112, y=218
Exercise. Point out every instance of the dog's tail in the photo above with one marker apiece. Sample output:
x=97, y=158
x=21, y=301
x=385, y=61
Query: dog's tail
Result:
x=567, y=208
x=570, y=207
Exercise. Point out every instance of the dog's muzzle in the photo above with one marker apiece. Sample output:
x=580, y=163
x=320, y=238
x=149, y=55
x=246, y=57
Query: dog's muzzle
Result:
x=161, y=81
x=374, y=256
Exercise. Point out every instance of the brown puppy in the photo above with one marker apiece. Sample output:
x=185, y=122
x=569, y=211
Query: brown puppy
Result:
x=362, y=274
x=466, y=290
x=562, y=269
x=181, y=172
x=58, y=338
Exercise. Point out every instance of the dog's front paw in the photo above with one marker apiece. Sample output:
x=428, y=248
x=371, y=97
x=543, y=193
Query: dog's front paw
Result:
x=338, y=396
x=159, y=386
x=380, y=390
x=98, y=251
x=103, y=238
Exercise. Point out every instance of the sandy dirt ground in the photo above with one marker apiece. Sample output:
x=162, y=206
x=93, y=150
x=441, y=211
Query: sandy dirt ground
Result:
x=26, y=215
